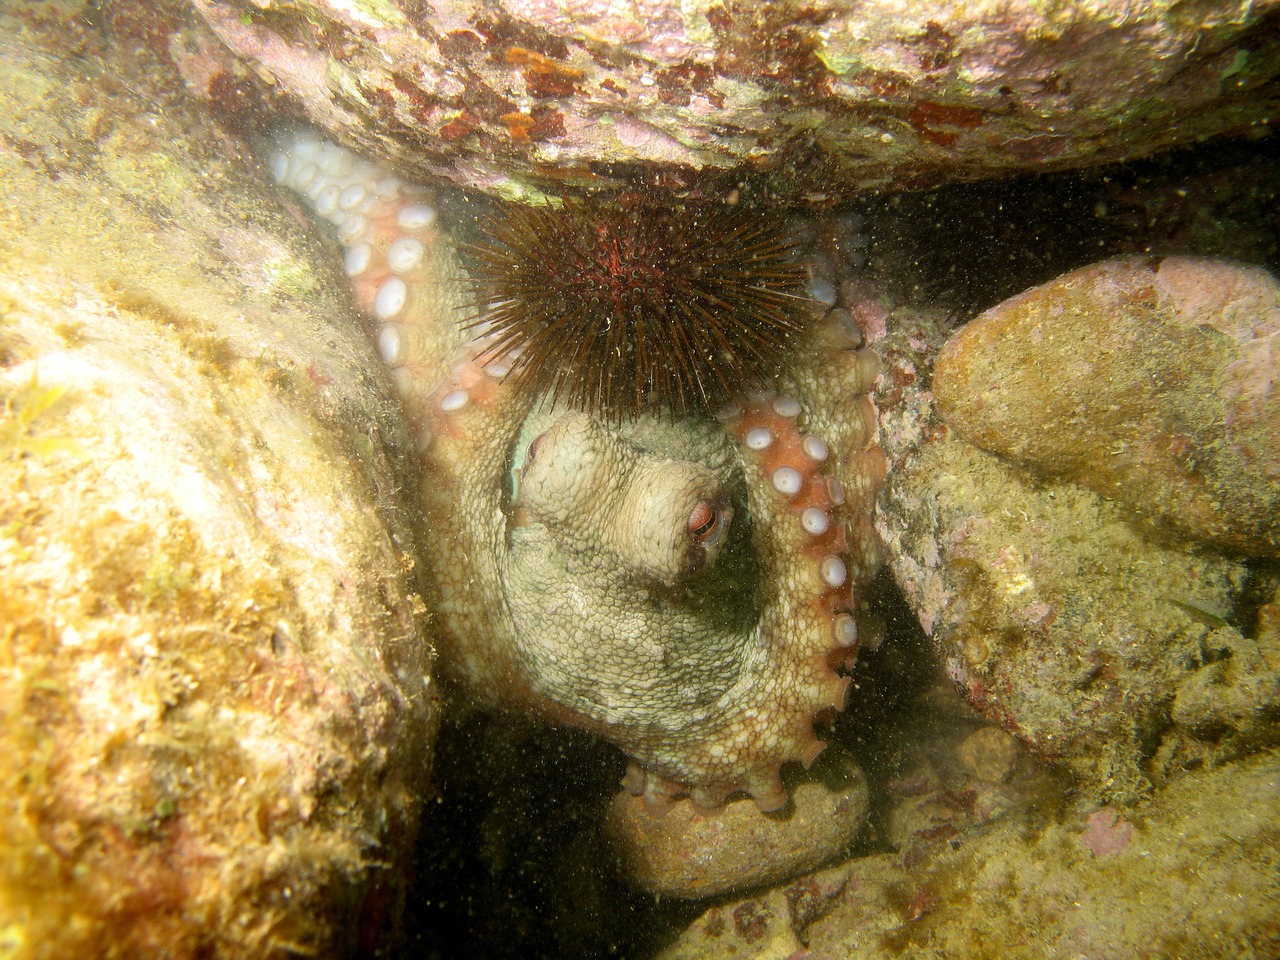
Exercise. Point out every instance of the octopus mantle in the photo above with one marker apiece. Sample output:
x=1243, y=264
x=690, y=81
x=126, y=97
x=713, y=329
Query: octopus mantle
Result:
x=686, y=588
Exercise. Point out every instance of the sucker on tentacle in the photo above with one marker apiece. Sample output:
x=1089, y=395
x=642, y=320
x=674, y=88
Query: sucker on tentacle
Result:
x=684, y=586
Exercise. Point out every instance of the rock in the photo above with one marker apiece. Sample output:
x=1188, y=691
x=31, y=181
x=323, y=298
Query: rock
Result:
x=513, y=97
x=1079, y=885
x=989, y=754
x=1151, y=380
x=769, y=926
x=1268, y=632
x=216, y=702
x=1067, y=627
x=684, y=852
x=940, y=798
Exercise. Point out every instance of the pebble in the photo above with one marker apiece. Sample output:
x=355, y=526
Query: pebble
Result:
x=989, y=754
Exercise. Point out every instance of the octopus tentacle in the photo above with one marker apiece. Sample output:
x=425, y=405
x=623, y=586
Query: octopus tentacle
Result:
x=708, y=667
x=400, y=261
x=808, y=624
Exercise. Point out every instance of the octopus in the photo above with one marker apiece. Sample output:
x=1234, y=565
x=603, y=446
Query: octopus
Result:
x=686, y=587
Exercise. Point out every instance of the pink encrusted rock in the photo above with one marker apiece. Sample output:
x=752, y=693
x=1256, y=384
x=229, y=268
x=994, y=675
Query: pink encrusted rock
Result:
x=1099, y=645
x=507, y=96
x=1151, y=380
x=1106, y=832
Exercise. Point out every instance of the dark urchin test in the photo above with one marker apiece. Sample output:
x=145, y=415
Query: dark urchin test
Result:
x=622, y=306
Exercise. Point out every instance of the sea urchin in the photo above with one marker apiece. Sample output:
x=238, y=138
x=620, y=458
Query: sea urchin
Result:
x=620, y=306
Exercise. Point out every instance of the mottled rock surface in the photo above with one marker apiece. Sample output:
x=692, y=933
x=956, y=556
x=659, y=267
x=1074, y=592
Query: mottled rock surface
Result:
x=687, y=852
x=1165, y=879
x=1066, y=625
x=216, y=706
x=1150, y=379
x=836, y=96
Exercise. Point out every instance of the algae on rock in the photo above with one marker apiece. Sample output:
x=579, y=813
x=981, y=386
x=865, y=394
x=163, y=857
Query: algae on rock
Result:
x=216, y=704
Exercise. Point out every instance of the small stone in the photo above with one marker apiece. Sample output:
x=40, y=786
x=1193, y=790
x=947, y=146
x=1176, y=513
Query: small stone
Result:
x=690, y=853
x=989, y=754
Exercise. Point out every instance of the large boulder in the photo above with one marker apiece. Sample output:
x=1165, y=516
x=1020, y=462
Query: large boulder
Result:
x=216, y=702
x=1149, y=379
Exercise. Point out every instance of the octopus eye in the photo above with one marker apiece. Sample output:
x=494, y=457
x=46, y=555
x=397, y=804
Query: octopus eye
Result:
x=531, y=452
x=706, y=523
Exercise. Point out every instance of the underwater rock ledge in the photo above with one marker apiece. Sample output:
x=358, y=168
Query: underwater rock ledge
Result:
x=835, y=97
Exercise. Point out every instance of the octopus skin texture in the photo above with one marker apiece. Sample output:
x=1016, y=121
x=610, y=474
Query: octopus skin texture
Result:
x=686, y=588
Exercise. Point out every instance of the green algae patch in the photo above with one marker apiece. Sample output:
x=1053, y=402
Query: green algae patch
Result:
x=293, y=278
